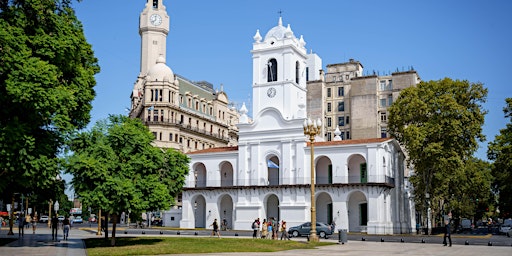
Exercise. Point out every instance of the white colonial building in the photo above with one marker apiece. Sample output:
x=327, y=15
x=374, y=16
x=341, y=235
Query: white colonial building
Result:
x=360, y=184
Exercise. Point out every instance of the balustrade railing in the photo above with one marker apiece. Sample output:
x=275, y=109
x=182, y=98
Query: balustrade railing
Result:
x=337, y=180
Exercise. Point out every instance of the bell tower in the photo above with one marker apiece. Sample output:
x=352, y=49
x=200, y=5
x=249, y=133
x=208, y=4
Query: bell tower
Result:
x=279, y=77
x=153, y=29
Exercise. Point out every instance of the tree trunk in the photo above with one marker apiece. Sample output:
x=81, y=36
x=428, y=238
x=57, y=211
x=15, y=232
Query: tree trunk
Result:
x=106, y=225
x=114, y=221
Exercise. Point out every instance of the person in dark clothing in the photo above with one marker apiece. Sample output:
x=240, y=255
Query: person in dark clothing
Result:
x=215, y=228
x=55, y=226
x=255, y=227
x=66, y=225
x=447, y=233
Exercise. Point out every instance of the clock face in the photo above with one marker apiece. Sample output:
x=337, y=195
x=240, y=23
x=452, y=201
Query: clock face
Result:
x=155, y=19
x=271, y=92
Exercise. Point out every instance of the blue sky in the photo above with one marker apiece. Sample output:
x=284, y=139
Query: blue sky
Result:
x=211, y=40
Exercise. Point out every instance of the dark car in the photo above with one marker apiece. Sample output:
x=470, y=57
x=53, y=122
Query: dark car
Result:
x=323, y=230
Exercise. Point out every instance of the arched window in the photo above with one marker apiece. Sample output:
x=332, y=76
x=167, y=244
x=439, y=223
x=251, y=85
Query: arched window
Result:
x=297, y=67
x=272, y=70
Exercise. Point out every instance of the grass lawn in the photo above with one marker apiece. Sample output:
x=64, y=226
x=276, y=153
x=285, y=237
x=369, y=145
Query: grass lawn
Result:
x=182, y=245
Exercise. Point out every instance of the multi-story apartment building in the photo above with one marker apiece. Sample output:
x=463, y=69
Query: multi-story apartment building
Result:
x=353, y=103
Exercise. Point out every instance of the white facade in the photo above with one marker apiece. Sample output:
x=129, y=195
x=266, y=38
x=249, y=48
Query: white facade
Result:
x=360, y=184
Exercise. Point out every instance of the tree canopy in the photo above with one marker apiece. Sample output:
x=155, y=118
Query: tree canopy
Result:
x=439, y=123
x=500, y=152
x=116, y=168
x=47, y=73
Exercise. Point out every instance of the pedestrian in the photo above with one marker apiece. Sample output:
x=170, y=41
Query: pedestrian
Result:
x=270, y=230
x=66, y=225
x=284, y=232
x=215, y=230
x=275, y=228
x=34, y=224
x=447, y=233
x=255, y=227
x=224, y=224
x=21, y=225
x=264, y=230
x=55, y=226
x=28, y=220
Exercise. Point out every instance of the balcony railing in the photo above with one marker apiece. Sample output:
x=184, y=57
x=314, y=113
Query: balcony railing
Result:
x=188, y=127
x=338, y=180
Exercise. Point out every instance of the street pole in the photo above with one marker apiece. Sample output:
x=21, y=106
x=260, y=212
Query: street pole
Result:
x=11, y=217
x=50, y=212
x=311, y=129
x=99, y=223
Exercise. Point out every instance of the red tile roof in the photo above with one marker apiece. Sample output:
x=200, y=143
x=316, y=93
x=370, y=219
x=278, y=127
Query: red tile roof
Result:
x=214, y=150
x=318, y=144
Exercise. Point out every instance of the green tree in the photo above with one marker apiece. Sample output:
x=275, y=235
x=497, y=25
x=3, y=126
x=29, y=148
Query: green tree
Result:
x=47, y=73
x=439, y=123
x=116, y=168
x=500, y=152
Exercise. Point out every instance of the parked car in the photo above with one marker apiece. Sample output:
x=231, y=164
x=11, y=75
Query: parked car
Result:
x=465, y=225
x=323, y=230
x=43, y=219
x=92, y=219
x=78, y=219
x=157, y=222
x=506, y=227
x=61, y=218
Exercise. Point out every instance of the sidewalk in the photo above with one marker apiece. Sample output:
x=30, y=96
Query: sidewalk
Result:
x=41, y=243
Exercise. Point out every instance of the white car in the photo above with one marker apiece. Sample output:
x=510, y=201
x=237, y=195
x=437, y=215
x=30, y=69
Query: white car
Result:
x=43, y=219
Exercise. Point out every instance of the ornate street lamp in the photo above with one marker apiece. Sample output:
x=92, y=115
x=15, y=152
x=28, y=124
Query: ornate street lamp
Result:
x=311, y=129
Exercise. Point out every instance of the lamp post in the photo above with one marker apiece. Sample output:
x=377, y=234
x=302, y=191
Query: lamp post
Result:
x=311, y=129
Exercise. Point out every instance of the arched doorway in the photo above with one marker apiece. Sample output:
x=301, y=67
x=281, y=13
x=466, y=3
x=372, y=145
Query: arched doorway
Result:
x=357, y=169
x=226, y=211
x=357, y=212
x=272, y=207
x=324, y=208
x=200, y=175
x=273, y=171
x=199, y=205
x=323, y=170
x=226, y=174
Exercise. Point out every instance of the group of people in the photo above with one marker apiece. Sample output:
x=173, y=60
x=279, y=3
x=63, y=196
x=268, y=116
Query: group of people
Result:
x=66, y=226
x=25, y=222
x=269, y=229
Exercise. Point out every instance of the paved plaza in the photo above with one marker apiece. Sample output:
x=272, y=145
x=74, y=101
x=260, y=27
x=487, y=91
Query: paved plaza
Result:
x=41, y=244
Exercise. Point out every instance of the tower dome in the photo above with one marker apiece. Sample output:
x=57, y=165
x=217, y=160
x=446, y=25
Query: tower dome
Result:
x=160, y=71
x=279, y=32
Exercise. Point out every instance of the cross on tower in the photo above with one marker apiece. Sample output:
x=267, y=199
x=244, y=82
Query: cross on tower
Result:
x=280, y=12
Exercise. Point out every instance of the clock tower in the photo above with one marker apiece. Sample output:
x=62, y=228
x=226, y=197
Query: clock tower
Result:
x=153, y=29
